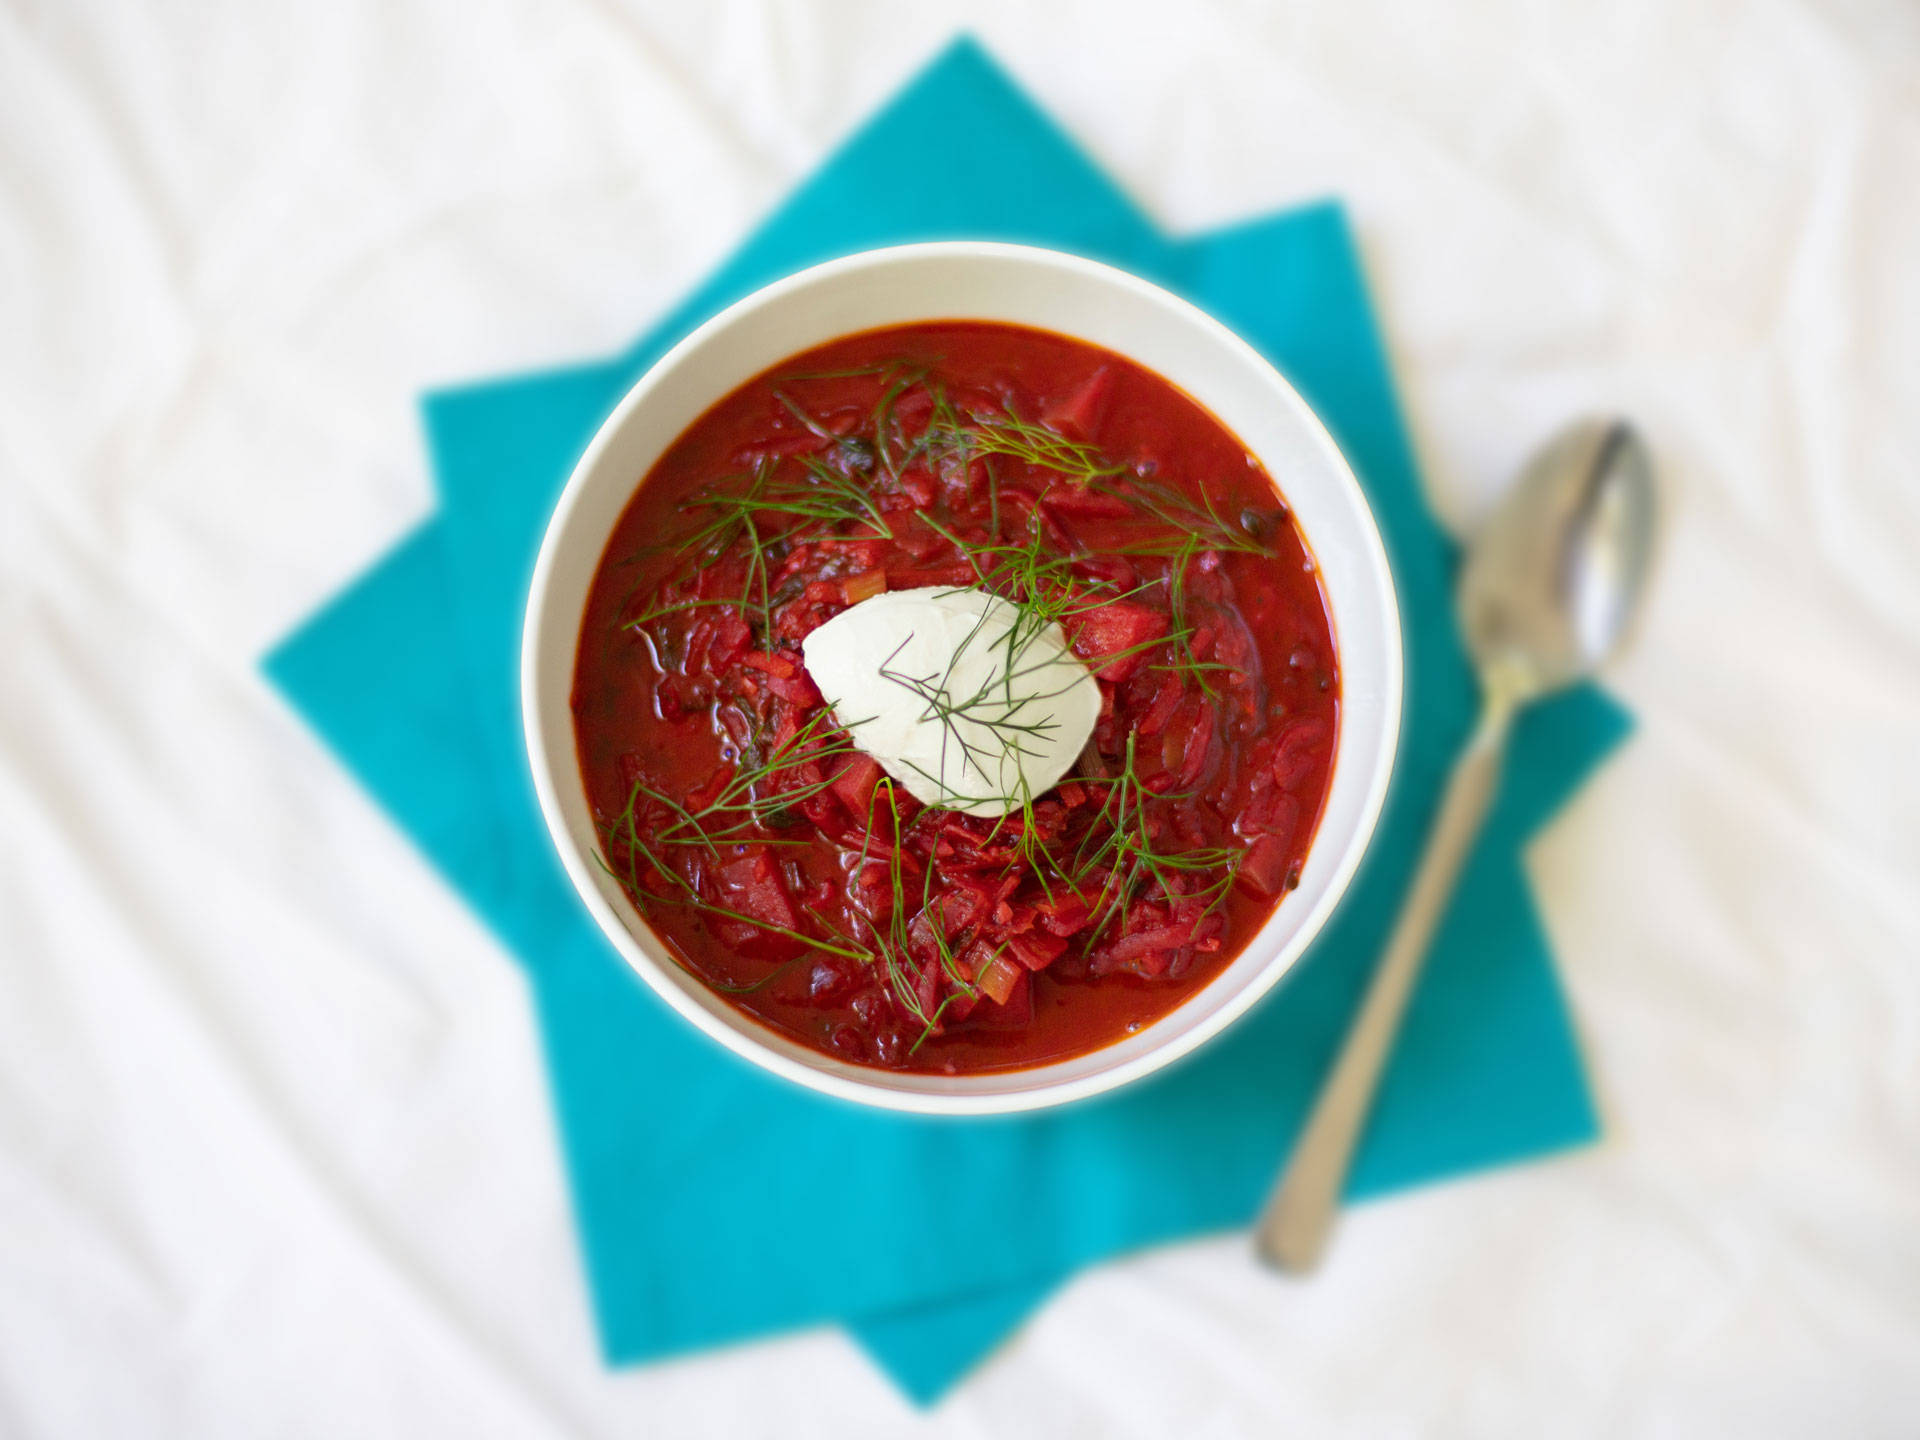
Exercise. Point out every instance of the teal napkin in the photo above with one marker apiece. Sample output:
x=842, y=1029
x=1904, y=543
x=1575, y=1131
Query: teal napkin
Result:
x=715, y=1203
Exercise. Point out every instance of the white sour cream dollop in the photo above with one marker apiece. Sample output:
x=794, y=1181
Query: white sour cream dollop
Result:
x=965, y=699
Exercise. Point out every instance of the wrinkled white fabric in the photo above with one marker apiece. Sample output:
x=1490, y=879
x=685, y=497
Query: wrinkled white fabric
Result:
x=275, y=1156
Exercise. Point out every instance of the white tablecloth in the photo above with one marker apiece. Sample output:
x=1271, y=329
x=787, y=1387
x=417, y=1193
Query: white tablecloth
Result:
x=275, y=1156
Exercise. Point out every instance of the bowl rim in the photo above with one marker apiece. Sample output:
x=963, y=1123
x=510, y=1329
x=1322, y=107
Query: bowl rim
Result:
x=846, y=1083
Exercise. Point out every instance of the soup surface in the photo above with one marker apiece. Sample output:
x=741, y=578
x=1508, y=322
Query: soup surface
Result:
x=786, y=867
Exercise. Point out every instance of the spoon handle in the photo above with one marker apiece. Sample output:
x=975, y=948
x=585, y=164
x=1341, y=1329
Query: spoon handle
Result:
x=1293, y=1230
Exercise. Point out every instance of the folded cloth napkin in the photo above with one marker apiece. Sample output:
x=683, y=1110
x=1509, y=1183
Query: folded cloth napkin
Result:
x=716, y=1203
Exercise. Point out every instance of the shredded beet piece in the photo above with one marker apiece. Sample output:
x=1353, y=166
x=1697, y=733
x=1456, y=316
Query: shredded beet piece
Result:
x=1120, y=629
x=1079, y=411
x=752, y=887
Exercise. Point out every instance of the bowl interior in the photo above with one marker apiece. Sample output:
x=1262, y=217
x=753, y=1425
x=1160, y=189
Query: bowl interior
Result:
x=1051, y=292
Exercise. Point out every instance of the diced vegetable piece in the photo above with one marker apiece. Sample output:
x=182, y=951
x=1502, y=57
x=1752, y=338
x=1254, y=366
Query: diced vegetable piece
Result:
x=779, y=665
x=1165, y=701
x=1272, y=811
x=959, y=1005
x=752, y=888
x=923, y=940
x=1296, y=758
x=730, y=636
x=871, y=892
x=1148, y=942
x=855, y=784
x=1264, y=867
x=1036, y=950
x=795, y=690
x=823, y=592
x=864, y=586
x=1078, y=412
x=964, y=905
x=1199, y=746
x=1119, y=629
x=752, y=885
x=997, y=979
x=1068, y=915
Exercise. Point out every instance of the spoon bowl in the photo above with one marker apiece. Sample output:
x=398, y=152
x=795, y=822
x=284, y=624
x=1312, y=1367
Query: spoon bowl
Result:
x=1552, y=581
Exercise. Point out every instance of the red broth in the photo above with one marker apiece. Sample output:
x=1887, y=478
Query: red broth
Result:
x=785, y=870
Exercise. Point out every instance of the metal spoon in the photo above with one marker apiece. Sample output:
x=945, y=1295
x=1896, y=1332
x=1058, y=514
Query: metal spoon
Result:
x=1549, y=587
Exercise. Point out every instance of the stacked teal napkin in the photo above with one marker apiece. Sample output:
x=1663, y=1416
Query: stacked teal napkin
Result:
x=716, y=1203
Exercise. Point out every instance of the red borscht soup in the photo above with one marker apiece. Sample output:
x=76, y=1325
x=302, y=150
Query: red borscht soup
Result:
x=788, y=854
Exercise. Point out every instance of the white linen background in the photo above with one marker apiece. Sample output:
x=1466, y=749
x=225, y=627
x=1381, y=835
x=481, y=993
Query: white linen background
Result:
x=275, y=1152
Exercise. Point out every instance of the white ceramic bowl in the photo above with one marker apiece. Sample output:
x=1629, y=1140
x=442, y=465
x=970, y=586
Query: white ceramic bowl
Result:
x=1049, y=291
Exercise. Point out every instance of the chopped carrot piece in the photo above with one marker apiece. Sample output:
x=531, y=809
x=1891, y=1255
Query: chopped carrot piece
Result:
x=863, y=586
